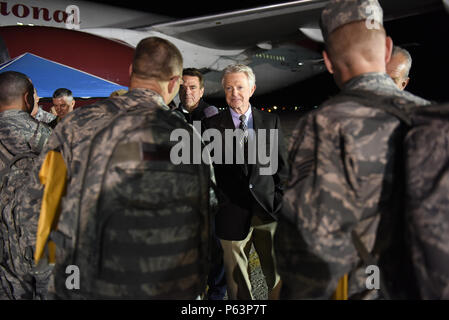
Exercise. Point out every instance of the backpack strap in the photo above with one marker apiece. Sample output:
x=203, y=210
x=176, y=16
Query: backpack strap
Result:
x=10, y=162
x=368, y=259
x=5, y=155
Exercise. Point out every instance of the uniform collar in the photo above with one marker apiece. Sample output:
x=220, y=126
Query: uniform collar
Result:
x=12, y=112
x=380, y=84
x=143, y=94
x=373, y=81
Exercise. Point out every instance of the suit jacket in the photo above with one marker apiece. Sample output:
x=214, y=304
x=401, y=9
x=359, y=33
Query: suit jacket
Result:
x=242, y=195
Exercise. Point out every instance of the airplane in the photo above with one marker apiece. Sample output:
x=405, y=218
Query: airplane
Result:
x=281, y=42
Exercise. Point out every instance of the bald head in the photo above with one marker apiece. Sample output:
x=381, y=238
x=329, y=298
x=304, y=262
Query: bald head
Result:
x=157, y=65
x=156, y=58
x=398, y=68
x=354, y=49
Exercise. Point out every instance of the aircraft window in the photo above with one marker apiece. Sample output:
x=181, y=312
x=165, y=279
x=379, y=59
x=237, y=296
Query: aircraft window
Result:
x=269, y=57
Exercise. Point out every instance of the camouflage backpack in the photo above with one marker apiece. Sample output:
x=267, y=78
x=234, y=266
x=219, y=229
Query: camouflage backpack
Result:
x=426, y=154
x=16, y=245
x=138, y=228
x=415, y=265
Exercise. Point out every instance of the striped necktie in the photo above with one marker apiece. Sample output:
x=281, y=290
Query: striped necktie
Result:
x=244, y=127
x=244, y=143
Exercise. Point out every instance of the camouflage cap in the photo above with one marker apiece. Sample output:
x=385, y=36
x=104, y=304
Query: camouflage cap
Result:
x=340, y=12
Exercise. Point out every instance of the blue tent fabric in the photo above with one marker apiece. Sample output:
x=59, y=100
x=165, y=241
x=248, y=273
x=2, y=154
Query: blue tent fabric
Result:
x=47, y=76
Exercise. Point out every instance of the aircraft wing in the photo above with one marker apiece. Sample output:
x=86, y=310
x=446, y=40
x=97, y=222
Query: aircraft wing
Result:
x=277, y=22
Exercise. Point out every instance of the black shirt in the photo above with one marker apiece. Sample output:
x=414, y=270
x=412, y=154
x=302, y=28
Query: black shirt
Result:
x=203, y=111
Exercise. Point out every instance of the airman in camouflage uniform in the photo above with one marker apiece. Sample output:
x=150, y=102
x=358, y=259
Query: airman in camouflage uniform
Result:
x=155, y=80
x=20, y=134
x=341, y=160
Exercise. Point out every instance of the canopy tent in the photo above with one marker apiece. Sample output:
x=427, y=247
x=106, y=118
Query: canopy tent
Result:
x=47, y=76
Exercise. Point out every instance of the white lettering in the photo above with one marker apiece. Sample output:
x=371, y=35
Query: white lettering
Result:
x=198, y=310
x=196, y=142
x=214, y=152
x=73, y=17
x=72, y=281
x=180, y=153
x=374, y=16
x=373, y=281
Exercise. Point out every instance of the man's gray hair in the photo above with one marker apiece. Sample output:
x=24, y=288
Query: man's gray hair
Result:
x=406, y=54
x=237, y=68
x=63, y=92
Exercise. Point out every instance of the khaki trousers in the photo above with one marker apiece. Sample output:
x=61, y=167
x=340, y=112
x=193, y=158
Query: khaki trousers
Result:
x=236, y=261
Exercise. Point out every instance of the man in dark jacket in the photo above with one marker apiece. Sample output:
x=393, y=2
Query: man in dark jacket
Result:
x=194, y=108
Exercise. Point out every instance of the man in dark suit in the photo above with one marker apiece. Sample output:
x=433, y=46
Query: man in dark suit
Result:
x=252, y=194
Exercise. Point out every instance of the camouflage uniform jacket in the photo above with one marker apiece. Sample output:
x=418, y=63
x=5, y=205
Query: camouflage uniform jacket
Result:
x=73, y=137
x=44, y=116
x=19, y=134
x=76, y=129
x=341, y=175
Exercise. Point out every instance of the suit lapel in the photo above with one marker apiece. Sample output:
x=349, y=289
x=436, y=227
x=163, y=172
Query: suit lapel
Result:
x=258, y=123
x=226, y=121
x=258, y=120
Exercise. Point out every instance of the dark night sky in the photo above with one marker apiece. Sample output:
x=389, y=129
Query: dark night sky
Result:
x=424, y=36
